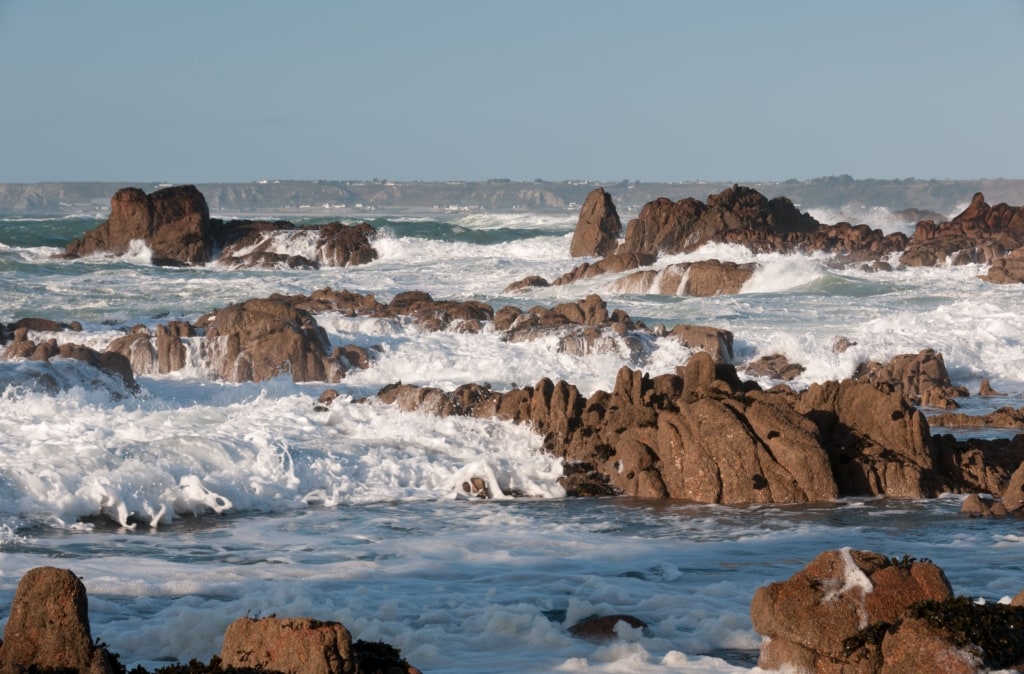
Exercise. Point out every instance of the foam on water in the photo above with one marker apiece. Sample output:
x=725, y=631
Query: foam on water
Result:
x=152, y=459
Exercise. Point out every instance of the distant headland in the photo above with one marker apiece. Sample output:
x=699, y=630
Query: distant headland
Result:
x=358, y=197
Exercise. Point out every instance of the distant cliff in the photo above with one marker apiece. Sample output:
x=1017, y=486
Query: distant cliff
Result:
x=355, y=197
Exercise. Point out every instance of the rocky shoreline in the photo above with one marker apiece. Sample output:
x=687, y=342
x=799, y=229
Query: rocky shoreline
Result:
x=700, y=434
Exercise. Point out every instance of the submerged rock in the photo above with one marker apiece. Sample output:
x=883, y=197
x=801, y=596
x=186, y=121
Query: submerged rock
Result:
x=605, y=628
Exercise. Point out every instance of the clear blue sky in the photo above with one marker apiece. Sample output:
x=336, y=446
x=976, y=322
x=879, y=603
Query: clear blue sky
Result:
x=220, y=90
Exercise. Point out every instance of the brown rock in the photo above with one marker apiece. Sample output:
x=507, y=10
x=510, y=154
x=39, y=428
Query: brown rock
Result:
x=716, y=342
x=832, y=599
x=341, y=245
x=109, y=362
x=137, y=347
x=985, y=389
x=602, y=628
x=737, y=214
x=922, y=376
x=1013, y=497
x=260, y=339
x=662, y=226
x=955, y=635
x=598, y=229
x=40, y=325
x=174, y=222
x=289, y=645
x=975, y=505
x=705, y=278
x=610, y=264
x=48, y=627
x=917, y=647
x=528, y=282
x=774, y=366
x=1007, y=269
x=878, y=443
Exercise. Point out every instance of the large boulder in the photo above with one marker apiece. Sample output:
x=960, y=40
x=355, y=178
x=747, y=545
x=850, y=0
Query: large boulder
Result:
x=288, y=645
x=262, y=338
x=812, y=621
x=48, y=627
x=598, y=228
x=173, y=222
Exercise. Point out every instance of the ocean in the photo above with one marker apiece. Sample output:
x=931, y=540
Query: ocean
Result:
x=265, y=506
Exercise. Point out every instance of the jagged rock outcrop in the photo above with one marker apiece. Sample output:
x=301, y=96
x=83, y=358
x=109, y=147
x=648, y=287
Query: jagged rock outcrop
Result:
x=598, y=228
x=740, y=215
x=693, y=435
x=666, y=227
x=981, y=233
x=48, y=628
x=175, y=224
x=1007, y=269
x=978, y=465
x=702, y=435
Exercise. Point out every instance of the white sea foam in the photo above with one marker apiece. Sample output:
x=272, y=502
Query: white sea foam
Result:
x=876, y=217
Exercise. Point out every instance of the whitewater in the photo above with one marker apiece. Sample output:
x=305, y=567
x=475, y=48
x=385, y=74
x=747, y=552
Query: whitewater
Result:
x=193, y=502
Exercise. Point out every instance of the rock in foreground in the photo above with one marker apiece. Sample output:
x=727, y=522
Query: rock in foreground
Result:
x=48, y=627
x=859, y=612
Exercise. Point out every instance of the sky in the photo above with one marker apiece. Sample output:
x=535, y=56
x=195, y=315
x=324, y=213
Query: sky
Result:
x=649, y=90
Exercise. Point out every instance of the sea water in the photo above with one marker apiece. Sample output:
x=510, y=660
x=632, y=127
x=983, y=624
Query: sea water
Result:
x=195, y=502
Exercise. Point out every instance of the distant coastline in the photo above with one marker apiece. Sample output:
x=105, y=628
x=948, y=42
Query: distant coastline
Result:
x=367, y=198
